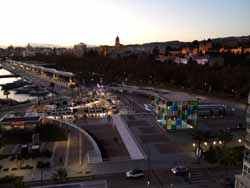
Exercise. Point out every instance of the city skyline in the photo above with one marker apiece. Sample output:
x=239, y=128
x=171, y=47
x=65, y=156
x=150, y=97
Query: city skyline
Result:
x=98, y=23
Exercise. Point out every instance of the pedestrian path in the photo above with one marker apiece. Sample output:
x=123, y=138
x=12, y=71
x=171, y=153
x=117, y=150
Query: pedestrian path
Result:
x=92, y=184
x=131, y=144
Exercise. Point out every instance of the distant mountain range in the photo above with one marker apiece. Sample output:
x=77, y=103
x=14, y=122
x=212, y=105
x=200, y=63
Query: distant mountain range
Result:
x=226, y=41
x=36, y=45
x=47, y=46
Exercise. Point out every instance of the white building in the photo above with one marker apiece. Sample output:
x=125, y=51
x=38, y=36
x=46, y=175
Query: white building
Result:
x=180, y=60
x=201, y=60
x=243, y=180
x=184, y=60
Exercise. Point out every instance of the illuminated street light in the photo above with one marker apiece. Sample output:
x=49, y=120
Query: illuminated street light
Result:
x=239, y=140
x=205, y=143
x=220, y=142
x=214, y=142
x=193, y=144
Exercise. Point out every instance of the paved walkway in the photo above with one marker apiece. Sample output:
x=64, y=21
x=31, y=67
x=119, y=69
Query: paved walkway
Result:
x=93, y=184
x=131, y=144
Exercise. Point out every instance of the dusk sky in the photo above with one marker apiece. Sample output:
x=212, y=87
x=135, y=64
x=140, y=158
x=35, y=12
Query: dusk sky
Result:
x=96, y=22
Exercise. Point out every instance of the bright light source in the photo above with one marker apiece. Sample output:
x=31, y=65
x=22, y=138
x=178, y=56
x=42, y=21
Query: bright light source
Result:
x=220, y=142
x=205, y=143
x=148, y=183
x=239, y=140
x=193, y=144
x=214, y=142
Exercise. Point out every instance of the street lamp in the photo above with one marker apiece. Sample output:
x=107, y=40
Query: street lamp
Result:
x=149, y=170
x=148, y=183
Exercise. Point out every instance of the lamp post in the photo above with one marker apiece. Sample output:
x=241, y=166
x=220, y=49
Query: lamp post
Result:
x=149, y=167
x=41, y=176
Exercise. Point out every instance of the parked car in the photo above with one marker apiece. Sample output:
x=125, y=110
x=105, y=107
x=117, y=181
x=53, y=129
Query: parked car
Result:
x=135, y=173
x=179, y=170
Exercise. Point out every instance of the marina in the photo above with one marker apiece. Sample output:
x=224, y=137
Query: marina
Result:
x=19, y=89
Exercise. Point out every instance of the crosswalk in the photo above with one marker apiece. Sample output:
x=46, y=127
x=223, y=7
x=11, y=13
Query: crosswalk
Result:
x=198, y=176
x=202, y=178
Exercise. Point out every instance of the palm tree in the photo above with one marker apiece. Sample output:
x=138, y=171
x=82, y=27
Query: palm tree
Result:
x=61, y=175
x=6, y=93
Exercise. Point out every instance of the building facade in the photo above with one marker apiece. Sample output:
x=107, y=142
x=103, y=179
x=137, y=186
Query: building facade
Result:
x=80, y=49
x=243, y=180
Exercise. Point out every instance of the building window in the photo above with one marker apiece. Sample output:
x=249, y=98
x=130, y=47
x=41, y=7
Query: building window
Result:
x=244, y=167
x=248, y=111
x=247, y=155
x=248, y=124
x=246, y=171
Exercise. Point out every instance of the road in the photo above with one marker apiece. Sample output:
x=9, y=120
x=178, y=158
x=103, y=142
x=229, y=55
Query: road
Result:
x=163, y=178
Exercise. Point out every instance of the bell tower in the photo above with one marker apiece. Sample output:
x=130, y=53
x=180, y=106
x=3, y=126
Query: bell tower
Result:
x=117, y=42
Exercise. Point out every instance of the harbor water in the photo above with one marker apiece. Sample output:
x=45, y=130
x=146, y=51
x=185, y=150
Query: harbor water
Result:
x=12, y=95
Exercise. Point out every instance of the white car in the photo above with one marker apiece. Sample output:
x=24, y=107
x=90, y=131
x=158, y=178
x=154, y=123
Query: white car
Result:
x=134, y=173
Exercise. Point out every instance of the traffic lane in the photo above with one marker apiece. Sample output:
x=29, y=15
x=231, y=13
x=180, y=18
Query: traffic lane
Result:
x=128, y=100
x=158, y=179
x=141, y=99
x=120, y=180
x=162, y=178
